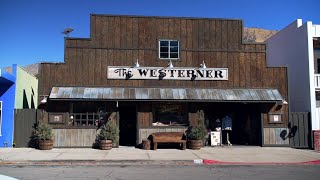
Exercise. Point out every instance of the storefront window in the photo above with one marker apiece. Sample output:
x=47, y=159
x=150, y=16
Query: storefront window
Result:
x=167, y=114
x=85, y=114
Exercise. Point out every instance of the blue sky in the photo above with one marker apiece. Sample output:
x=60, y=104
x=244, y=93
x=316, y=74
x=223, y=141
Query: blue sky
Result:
x=30, y=30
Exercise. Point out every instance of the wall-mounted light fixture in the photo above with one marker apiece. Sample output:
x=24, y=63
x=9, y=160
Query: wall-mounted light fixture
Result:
x=284, y=101
x=136, y=65
x=281, y=103
x=43, y=101
x=203, y=65
x=170, y=65
x=70, y=120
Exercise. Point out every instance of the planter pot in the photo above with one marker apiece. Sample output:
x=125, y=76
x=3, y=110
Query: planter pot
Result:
x=195, y=144
x=105, y=144
x=45, y=144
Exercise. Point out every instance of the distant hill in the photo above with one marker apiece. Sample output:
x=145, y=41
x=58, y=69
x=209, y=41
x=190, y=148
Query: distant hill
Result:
x=31, y=68
x=250, y=35
x=256, y=35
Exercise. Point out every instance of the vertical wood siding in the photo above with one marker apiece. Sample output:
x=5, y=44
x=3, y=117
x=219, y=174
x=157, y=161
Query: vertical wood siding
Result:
x=74, y=137
x=300, y=130
x=24, y=121
x=272, y=136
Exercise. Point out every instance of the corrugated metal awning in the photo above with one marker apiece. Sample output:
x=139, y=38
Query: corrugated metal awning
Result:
x=164, y=94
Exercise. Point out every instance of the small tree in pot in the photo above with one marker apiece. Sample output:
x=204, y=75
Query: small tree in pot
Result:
x=196, y=134
x=109, y=134
x=44, y=136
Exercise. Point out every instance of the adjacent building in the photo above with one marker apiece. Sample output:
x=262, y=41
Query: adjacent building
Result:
x=297, y=47
x=18, y=90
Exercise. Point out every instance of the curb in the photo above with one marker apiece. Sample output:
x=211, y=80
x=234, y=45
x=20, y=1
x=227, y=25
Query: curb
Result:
x=214, y=162
x=97, y=162
x=146, y=162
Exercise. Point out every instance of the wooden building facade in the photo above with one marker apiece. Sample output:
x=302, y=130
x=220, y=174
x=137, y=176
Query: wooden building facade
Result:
x=190, y=69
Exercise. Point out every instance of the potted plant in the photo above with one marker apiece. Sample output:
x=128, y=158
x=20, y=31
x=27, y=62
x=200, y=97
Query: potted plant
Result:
x=44, y=136
x=195, y=136
x=109, y=134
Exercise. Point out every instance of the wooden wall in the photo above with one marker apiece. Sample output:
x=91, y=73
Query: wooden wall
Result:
x=120, y=40
x=74, y=137
x=272, y=136
x=24, y=123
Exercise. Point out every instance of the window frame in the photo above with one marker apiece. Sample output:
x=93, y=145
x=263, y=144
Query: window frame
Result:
x=169, y=52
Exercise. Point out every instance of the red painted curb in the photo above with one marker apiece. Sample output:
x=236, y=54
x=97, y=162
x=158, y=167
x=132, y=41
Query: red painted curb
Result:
x=208, y=161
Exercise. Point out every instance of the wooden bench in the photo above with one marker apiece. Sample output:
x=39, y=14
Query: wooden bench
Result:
x=168, y=137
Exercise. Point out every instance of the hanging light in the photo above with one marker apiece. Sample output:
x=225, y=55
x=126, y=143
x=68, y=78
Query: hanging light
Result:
x=136, y=65
x=203, y=65
x=170, y=65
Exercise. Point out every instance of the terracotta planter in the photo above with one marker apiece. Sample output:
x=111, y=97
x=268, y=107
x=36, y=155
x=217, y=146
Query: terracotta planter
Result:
x=105, y=144
x=195, y=144
x=45, y=144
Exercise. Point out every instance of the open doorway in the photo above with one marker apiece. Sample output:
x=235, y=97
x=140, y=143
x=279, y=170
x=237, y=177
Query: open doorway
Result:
x=127, y=124
x=246, y=122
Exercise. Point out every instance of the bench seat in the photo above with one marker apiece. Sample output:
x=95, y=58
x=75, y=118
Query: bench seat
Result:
x=168, y=137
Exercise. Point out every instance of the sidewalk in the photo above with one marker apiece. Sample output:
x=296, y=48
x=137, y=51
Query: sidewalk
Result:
x=207, y=155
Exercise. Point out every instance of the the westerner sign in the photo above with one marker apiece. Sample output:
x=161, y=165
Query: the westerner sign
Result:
x=124, y=72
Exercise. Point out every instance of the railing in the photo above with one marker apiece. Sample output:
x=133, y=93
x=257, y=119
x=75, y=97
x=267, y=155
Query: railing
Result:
x=317, y=81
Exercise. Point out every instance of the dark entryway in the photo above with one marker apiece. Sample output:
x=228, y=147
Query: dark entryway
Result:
x=128, y=121
x=247, y=125
x=246, y=122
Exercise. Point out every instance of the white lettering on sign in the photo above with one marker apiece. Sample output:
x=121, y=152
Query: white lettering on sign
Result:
x=124, y=72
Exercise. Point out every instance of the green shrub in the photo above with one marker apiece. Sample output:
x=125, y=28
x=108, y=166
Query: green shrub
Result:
x=109, y=131
x=43, y=132
x=196, y=132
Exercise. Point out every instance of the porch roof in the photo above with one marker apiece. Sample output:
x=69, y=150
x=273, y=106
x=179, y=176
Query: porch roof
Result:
x=164, y=94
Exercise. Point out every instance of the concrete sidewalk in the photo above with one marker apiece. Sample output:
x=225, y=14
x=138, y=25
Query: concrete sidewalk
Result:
x=207, y=155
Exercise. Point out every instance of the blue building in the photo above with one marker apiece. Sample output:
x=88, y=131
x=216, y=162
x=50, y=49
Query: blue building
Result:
x=7, y=101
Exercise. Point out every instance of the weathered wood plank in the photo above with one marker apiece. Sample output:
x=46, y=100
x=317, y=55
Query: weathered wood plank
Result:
x=266, y=135
x=224, y=35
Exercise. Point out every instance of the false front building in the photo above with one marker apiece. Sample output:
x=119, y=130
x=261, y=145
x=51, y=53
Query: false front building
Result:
x=155, y=74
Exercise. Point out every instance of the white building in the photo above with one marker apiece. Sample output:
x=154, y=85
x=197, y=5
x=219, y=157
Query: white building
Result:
x=297, y=47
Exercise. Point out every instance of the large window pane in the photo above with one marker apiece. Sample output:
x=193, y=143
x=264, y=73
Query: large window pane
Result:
x=173, y=43
x=164, y=49
x=164, y=55
x=174, y=49
x=164, y=43
x=174, y=55
x=169, y=115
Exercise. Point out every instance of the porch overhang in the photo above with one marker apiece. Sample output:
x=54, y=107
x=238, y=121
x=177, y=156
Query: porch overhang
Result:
x=164, y=94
